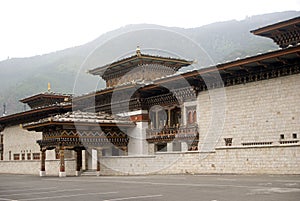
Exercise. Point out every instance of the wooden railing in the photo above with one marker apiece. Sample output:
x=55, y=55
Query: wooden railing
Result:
x=186, y=133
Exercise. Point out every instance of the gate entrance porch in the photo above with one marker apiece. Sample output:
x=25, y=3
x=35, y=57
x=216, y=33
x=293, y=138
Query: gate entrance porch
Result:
x=81, y=132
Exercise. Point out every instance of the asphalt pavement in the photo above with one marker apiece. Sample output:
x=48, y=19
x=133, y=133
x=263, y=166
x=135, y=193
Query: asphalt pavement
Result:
x=152, y=187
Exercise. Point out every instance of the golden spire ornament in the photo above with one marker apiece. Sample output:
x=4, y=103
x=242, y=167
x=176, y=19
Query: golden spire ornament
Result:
x=49, y=87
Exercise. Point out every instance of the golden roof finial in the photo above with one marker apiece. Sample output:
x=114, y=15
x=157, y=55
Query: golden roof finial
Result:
x=49, y=87
x=138, y=51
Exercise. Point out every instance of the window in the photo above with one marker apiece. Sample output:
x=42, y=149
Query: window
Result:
x=161, y=147
x=28, y=156
x=16, y=157
x=191, y=115
x=57, y=154
x=228, y=141
x=23, y=156
x=295, y=136
x=175, y=117
x=281, y=136
x=194, y=117
x=9, y=155
x=36, y=156
x=158, y=117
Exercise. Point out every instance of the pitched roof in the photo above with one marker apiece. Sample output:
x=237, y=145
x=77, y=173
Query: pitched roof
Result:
x=80, y=118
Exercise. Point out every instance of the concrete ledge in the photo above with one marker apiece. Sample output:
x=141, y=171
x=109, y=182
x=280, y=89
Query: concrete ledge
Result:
x=183, y=152
x=62, y=174
x=42, y=173
x=258, y=146
x=132, y=156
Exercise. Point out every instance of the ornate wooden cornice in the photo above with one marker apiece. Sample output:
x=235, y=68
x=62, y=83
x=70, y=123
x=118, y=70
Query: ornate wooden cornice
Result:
x=283, y=33
x=187, y=134
x=75, y=138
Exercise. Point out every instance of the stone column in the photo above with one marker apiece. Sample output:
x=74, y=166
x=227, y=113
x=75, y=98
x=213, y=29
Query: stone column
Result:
x=43, y=163
x=169, y=146
x=184, y=146
x=78, y=161
x=62, y=172
x=138, y=144
x=99, y=154
x=84, y=160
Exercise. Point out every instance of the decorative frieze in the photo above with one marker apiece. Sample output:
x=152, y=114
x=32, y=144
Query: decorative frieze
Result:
x=167, y=134
x=251, y=77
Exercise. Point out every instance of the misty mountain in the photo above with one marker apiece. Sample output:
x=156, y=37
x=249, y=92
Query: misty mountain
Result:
x=66, y=69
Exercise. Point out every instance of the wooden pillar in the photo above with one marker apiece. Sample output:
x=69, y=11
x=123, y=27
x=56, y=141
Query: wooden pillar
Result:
x=43, y=163
x=62, y=172
x=78, y=161
x=99, y=154
x=169, y=117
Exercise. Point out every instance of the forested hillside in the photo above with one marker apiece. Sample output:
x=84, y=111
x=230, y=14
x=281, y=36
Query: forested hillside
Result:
x=66, y=69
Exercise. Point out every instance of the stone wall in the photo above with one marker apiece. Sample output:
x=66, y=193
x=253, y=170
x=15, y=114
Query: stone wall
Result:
x=282, y=159
x=253, y=112
x=254, y=115
x=33, y=167
x=17, y=140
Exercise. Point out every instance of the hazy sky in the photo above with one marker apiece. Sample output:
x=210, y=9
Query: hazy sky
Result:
x=32, y=27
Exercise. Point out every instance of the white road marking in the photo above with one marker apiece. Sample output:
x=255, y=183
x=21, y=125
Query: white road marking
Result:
x=117, y=177
x=135, y=197
x=67, y=196
x=30, y=189
x=267, y=191
x=156, y=183
x=36, y=193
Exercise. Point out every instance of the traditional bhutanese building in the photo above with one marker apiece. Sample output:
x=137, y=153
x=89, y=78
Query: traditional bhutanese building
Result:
x=241, y=116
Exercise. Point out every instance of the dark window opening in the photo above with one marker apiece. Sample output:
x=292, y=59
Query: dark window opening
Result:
x=16, y=157
x=115, y=151
x=228, y=141
x=295, y=135
x=281, y=136
x=161, y=147
x=56, y=153
x=36, y=156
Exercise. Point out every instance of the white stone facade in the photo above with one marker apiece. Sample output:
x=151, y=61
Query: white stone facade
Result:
x=18, y=141
x=262, y=119
x=255, y=115
x=255, y=112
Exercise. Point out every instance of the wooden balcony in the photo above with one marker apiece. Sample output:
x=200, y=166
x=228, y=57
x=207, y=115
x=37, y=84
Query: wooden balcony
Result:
x=167, y=134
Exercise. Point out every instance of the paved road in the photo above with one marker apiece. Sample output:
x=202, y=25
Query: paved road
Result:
x=154, y=188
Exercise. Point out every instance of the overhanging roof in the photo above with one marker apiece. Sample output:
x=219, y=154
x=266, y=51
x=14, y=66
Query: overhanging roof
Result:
x=284, y=33
x=244, y=64
x=35, y=114
x=79, y=118
x=136, y=59
x=263, y=31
